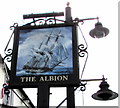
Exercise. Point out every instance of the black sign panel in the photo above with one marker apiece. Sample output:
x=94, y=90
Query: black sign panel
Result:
x=45, y=55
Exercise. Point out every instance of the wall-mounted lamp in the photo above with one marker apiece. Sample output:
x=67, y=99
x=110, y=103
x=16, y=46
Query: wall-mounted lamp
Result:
x=104, y=93
x=99, y=31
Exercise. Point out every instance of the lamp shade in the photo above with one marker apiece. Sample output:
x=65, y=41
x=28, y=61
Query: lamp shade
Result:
x=99, y=31
x=104, y=93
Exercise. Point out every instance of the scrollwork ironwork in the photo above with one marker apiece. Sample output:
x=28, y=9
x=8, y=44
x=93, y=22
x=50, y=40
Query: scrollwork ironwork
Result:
x=13, y=26
x=83, y=86
x=51, y=21
x=8, y=51
x=45, y=21
x=82, y=50
x=8, y=56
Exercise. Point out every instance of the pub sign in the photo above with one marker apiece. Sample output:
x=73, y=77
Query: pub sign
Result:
x=45, y=55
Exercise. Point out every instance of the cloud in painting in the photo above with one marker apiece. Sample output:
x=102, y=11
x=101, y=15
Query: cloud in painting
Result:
x=31, y=41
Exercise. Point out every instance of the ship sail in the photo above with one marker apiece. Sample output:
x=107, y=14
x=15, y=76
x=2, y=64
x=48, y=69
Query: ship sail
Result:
x=49, y=55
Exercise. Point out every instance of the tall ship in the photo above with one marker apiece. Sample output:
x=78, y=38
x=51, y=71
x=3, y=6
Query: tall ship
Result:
x=50, y=53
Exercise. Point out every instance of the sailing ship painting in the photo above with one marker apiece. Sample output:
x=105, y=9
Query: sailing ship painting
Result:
x=46, y=51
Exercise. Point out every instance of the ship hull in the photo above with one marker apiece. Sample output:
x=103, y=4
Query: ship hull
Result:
x=42, y=70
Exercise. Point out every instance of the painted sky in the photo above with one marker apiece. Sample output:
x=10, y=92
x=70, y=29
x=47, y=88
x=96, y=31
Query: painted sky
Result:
x=32, y=42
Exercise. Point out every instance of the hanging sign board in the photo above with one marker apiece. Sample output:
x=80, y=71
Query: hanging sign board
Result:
x=45, y=55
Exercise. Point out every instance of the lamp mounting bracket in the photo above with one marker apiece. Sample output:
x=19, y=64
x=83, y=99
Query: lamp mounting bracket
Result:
x=77, y=20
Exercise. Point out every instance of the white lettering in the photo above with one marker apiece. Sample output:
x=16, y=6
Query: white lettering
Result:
x=28, y=79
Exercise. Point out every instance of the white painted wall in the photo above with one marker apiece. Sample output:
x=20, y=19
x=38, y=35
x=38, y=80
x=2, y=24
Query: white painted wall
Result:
x=14, y=100
x=1, y=80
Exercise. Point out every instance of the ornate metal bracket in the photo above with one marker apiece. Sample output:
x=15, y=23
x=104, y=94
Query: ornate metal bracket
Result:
x=83, y=86
x=82, y=50
x=44, y=19
x=8, y=51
